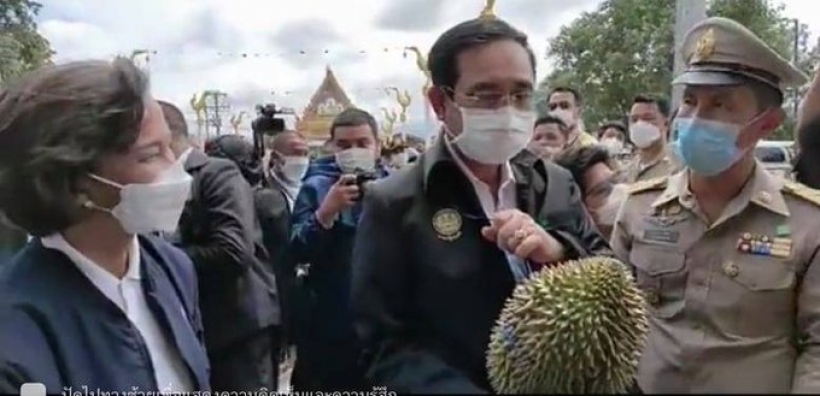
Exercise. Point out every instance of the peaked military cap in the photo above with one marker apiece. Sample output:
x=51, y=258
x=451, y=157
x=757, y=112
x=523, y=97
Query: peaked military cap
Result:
x=721, y=51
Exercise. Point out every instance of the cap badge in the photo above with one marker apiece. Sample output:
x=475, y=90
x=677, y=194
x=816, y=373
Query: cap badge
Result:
x=706, y=46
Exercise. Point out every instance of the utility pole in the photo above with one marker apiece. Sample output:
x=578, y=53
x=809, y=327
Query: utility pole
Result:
x=216, y=106
x=795, y=60
x=687, y=14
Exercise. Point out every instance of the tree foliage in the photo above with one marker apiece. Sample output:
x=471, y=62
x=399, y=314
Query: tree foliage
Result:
x=22, y=47
x=626, y=47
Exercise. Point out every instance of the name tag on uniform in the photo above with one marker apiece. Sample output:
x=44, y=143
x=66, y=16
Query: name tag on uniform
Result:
x=661, y=235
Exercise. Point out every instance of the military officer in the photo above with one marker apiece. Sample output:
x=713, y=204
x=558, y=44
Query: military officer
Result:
x=649, y=132
x=725, y=252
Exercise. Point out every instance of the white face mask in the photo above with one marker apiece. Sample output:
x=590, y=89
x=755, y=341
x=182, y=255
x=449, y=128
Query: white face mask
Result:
x=613, y=145
x=151, y=207
x=494, y=136
x=643, y=134
x=356, y=159
x=566, y=116
x=606, y=214
x=293, y=168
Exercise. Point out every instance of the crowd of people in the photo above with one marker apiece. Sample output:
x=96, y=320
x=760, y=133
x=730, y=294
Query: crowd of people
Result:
x=139, y=261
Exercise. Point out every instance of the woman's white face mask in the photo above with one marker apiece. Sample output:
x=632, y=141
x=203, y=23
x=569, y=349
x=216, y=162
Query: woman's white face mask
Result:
x=150, y=207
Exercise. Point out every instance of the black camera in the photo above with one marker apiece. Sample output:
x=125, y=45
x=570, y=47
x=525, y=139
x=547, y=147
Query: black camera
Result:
x=362, y=179
x=266, y=124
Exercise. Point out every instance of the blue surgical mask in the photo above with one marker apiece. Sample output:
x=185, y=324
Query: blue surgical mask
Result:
x=705, y=146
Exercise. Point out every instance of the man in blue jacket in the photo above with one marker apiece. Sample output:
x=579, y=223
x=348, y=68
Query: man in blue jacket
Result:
x=325, y=216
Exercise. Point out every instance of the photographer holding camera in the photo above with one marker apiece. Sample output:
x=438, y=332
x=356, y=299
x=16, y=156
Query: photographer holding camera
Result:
x=325, y=217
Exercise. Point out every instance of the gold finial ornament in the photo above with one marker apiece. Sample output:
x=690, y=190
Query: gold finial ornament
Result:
x=421, y=64
x=390, y=117
x=198, y=105
x=488, y=12
x=705, y=46
x=236, y=120
x=403, y=99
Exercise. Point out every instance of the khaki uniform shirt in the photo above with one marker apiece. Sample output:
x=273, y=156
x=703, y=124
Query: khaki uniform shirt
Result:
x=583, y=139
x=733, y=306
x=664, y=165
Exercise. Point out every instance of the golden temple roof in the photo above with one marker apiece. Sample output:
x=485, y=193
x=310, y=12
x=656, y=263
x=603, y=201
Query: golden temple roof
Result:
x=328, y=101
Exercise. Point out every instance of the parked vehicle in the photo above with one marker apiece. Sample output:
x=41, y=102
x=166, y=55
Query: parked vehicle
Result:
x=776, y=156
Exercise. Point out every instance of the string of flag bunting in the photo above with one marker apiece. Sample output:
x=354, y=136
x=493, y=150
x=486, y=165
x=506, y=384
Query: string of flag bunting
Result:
x=403, y=50
x=279, y=54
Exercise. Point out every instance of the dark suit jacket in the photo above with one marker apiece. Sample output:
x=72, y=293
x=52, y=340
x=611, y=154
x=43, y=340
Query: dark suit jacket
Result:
x=57, y=329
x=220, y=232
x=273, y=213
x=423, y=305
x=12, y=239
x=807, y=162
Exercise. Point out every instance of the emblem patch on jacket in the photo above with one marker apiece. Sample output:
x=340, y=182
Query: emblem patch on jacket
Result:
x=447, y=223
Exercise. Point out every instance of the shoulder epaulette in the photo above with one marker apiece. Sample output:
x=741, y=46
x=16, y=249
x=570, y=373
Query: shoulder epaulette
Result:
x=657, y=183
x=802, y=191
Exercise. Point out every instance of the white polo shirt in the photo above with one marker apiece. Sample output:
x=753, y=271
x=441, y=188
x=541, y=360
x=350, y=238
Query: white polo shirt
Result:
x=170, y=370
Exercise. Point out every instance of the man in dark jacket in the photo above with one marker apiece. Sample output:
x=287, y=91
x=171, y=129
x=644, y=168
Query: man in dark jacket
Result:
x=237, y=149
x=274, y=202
x=807, y=162
x=325, y=216
x=441, y=245
x=220, y=232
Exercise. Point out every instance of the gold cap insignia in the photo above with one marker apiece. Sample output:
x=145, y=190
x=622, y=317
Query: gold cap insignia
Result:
x=674, y=209
x=447, y=224
x=705, y=47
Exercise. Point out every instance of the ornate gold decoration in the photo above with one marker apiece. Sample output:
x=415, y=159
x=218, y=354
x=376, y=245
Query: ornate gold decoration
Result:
x=403, y=99
x=326, y=102
x=236, y=120
x=488, y=13
x=390, y=117
x=421, y=64
x=198, y=105
x=706, y=46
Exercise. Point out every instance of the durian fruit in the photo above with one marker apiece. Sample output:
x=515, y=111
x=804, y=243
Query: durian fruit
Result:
x=575, y=328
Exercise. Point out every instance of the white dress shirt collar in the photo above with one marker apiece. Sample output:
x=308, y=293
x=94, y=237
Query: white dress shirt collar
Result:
x=105, y=281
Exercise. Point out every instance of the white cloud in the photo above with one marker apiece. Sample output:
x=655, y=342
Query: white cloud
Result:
x=190, y=35
x=198, y=42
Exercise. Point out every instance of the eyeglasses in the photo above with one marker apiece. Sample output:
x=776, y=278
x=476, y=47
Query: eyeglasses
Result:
x=522, y=100
x=562, y=105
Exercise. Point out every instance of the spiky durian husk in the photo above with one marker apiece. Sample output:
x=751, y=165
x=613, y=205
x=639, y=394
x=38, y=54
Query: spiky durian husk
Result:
x=575, y=328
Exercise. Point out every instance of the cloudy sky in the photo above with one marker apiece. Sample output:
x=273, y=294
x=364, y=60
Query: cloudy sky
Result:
x=287, y=44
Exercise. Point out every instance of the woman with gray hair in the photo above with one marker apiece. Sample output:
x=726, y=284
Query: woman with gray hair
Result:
x=94, y=302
